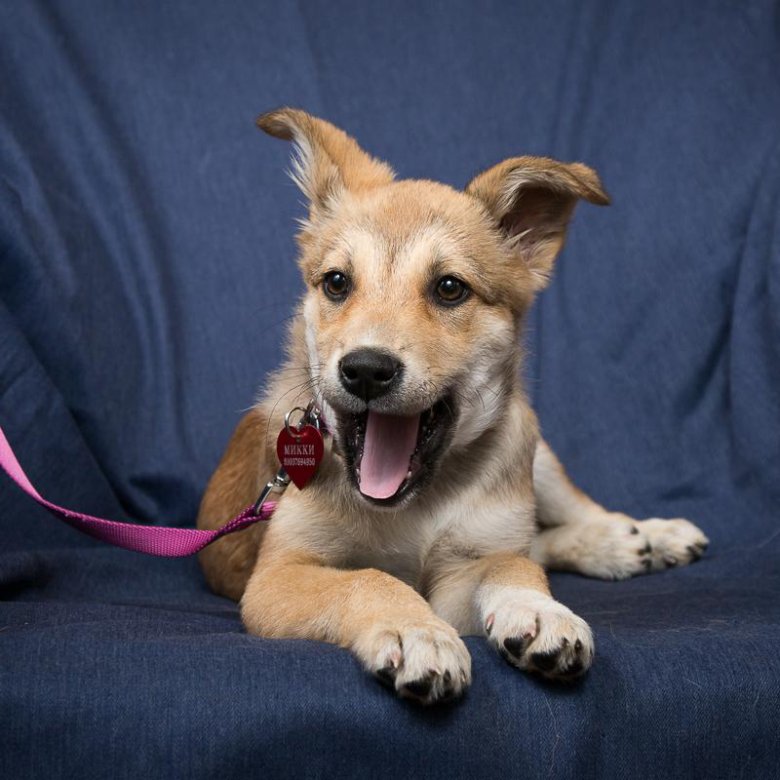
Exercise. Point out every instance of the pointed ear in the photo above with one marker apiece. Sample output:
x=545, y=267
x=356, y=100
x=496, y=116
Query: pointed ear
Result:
x=532, y=200
x=327, y=161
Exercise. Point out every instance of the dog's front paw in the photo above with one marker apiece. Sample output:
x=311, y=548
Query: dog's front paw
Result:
x=425, y=661
x=536, y=633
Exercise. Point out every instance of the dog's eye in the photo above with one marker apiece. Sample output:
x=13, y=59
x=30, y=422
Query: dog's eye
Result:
x=451, y=291
x=335, y=285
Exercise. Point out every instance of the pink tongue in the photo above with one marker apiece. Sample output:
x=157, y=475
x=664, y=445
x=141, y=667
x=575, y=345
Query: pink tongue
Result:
x=389, y=444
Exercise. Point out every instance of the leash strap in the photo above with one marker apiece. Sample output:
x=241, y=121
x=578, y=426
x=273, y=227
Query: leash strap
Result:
x=156, y=540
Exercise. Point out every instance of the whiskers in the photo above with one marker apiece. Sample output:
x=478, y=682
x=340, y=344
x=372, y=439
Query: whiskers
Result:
x=465, y=397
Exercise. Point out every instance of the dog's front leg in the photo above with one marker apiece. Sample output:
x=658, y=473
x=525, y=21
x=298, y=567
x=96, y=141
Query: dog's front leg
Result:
x=580, y=535
x=386, y=624
x=507, y=598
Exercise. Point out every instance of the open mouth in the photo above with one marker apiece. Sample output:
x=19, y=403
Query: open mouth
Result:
x=389, y=456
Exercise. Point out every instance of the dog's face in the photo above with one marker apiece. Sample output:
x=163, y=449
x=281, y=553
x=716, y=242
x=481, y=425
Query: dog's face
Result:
x=411, y=330
x=415, y=294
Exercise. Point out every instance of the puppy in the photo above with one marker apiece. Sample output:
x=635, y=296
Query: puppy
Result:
x=437, y=503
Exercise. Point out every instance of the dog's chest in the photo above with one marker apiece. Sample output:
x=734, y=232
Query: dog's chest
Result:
x=405, y=545
x=397, y=546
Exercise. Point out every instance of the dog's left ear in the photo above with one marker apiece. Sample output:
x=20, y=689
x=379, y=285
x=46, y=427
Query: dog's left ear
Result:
x=327, y=160
x=532, y=200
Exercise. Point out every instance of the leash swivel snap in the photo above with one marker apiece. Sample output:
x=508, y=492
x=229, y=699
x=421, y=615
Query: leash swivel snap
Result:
x=279, y=482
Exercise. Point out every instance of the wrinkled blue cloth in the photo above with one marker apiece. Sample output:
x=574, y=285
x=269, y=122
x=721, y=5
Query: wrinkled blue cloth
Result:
x=147, y=275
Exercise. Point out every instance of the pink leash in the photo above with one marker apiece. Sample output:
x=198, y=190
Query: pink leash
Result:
x=150, y=539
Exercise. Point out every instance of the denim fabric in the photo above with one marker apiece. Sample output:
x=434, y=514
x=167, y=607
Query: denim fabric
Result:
x=146, y=278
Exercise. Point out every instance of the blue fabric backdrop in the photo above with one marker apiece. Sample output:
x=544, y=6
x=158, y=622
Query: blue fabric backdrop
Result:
x=146, y=276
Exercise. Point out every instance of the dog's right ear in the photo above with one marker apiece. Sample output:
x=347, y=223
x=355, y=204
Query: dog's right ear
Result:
x=327, y=161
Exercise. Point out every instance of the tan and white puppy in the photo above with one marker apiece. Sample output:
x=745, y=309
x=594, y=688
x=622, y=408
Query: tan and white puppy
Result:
x=437, y=502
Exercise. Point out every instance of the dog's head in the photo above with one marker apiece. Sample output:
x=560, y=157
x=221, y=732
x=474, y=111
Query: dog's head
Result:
x=415, y=295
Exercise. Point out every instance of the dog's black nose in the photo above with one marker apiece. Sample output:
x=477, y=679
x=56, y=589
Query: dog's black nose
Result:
x=369, y=373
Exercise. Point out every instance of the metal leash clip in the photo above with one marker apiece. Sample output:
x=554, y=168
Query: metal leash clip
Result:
x=311, y=416
x=279, y=482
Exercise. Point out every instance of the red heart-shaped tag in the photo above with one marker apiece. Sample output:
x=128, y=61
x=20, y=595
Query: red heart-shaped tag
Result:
x=300, y=453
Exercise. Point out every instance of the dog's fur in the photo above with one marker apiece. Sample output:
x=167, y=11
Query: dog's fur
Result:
x=461, y=550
